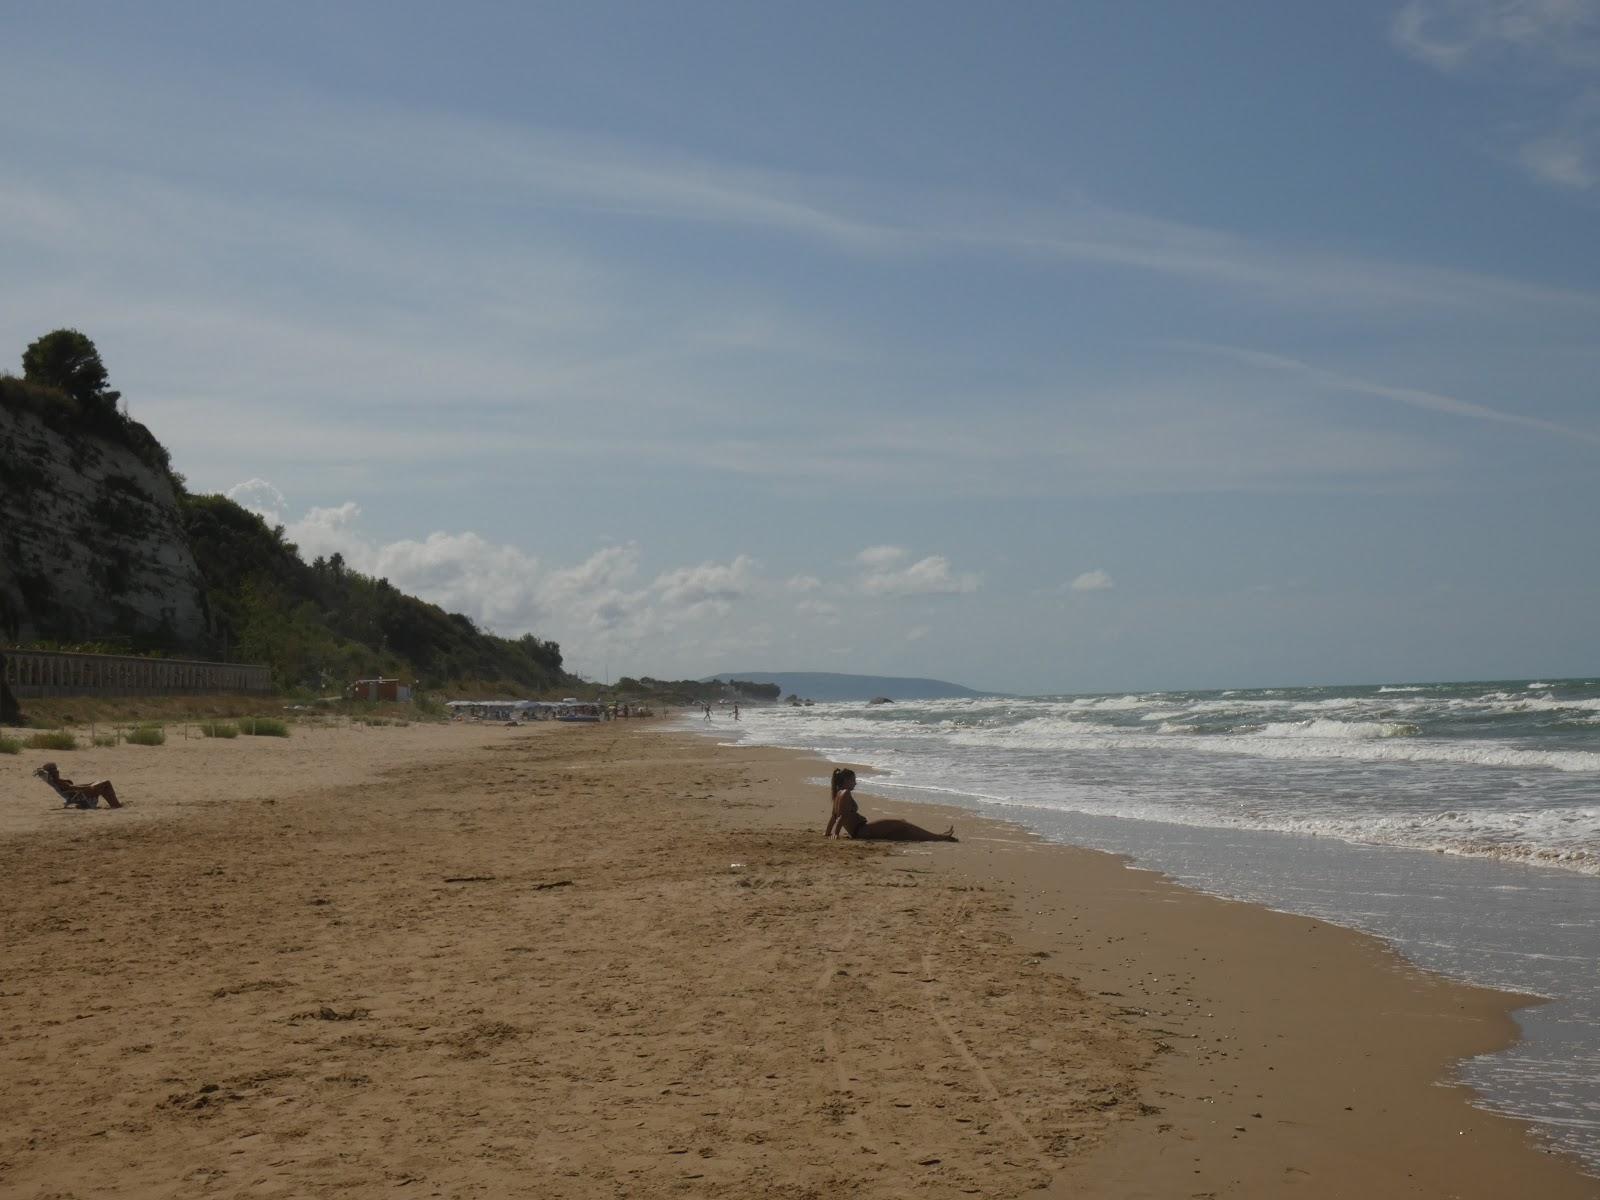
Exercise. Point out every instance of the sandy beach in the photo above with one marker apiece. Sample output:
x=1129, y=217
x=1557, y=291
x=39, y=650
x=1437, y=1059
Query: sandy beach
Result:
x=468, y=961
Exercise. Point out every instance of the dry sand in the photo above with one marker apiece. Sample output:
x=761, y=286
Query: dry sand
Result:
x=606, y=961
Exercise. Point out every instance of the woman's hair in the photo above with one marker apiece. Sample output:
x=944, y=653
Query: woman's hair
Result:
x=843, y=777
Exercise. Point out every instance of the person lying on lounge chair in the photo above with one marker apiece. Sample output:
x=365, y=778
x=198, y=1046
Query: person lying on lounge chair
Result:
x=79, y=795
x=847, y=818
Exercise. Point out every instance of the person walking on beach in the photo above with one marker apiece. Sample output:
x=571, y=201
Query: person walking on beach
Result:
x=735, y=710
x=708, y=712
x=847, y=818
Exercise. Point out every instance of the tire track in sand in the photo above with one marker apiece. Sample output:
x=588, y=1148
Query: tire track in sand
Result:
x=853, y=1121
x=959, y=1044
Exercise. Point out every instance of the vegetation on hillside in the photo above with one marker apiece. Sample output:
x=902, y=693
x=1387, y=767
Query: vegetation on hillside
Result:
x=317, y=625
x=320, y=625
x=64, y=382
x=694, y=691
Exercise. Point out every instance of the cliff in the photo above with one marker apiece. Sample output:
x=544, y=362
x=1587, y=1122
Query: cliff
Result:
x=101, y=543
x=92, y=543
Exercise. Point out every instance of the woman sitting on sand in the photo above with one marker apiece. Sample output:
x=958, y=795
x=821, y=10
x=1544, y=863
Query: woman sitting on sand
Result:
x=79, y=795
x=847, y=818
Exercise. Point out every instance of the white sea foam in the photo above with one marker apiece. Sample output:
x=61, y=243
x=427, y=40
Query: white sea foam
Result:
x=1481, y=754
x=1116, y=703
x=1297, y=740
x=1357, y=730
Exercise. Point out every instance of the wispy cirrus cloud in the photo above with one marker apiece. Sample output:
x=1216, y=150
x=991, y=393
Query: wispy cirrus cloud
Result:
x=1549, y=47
x=1449, y=34
x=430, y=345
x=1337, y=381
x=540, y=171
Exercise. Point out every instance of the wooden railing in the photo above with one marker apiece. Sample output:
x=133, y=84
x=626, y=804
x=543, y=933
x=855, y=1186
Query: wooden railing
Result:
x=51, y=673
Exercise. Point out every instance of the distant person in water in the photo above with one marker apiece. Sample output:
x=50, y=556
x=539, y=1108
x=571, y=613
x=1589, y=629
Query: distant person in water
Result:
x=735, y=710
x=847, y=818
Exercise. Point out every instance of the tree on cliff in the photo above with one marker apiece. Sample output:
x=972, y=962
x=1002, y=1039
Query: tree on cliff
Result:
x=68, y=360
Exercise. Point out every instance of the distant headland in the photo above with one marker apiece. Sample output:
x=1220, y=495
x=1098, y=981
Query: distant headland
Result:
x=827, y=685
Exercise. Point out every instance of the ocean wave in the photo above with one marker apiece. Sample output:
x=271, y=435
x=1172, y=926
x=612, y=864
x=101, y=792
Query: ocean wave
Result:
x=1117, y=703
x=1370, y=742
x=1358, y=730
x=1477, y=754
x=1510, y=702
x=1391, y=688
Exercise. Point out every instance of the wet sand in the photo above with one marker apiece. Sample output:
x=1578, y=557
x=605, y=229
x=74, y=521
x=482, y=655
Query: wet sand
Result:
x=584, y=961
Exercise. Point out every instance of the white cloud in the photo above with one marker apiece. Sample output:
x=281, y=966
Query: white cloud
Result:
x=598, y=603
x=877, y=557
x=930, y=576
x=464, y=572
x=803, y=583
x=824, y=610
x=1554, y=48
x=705, y=590
x=1093, y=581
x=1567, y=155
x=260, y=497
x=1449, y=34
x=1561, y=159
x=918, y=633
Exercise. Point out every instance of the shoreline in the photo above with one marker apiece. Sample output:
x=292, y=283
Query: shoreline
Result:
x=1424, y=1026
x=1295, y=1052
x=1505, y=926
x=539, y=961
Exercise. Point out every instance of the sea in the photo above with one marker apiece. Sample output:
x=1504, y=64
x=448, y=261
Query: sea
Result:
x=1458, y=821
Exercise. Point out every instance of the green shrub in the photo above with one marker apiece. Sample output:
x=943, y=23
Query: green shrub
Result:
x=55, y=739
x=263, y=727
x=105, y=739
x=148, y=735
x=219, y=729
x=10, y=745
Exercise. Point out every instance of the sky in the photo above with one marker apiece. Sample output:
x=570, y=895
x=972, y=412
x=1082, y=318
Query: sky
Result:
x=1041, y=347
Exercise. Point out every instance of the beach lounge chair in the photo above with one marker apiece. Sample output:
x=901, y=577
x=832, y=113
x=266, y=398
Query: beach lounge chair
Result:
x=79, y=795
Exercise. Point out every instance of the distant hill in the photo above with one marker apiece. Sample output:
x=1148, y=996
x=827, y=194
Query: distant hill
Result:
x=825, y=685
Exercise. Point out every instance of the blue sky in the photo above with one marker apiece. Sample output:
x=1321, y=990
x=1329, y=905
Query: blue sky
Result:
x=1043, y=347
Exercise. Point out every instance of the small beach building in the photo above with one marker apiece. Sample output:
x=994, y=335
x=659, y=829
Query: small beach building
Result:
x=379, y=688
